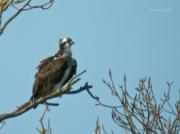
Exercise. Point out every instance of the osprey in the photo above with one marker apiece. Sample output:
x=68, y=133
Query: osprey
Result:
x=55, y=71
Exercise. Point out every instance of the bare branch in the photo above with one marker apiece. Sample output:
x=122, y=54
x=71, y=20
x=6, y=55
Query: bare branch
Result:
x=142, y=113
x=98, y=128
x=43, y=130
x=59, y=92
x=19, y=6
x=104, y=130
x=2, y=125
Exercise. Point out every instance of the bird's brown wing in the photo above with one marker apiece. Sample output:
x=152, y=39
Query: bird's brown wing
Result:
x=45, y=61
x=50, y=72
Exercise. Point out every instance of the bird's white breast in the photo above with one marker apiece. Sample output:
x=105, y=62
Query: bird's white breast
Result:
x=66, y=74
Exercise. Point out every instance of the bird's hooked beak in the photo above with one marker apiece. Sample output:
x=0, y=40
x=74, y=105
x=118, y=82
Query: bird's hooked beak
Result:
x=72, y=43
x=69, y=41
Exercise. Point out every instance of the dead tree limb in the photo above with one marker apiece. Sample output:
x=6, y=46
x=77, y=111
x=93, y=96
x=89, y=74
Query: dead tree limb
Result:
x=43, y=130
x=19, y=6
x=2, y=125
x=59, y=92
x=98, y=127
x=143, y=112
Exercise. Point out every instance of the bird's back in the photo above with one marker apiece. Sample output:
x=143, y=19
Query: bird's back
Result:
x=51, y=71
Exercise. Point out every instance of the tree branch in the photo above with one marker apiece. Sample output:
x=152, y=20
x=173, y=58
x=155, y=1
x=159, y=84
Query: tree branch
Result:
x=98, y=127
x=24, y=6
x=2, y=125
x=59, y=92
x=142, y=113
x=43, y=130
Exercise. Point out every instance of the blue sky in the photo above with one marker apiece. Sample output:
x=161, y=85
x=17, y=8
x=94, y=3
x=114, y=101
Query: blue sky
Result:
x=137, y=38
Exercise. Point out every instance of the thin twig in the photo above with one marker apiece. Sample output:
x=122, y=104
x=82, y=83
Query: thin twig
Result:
x=98, y=128
x=25, y=5
x=142, y=113
x=104, y=130
x=2, y=125
x=43, y=130
x=13, y=16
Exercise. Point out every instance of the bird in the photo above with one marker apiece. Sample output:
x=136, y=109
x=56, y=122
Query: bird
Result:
x=54, y=71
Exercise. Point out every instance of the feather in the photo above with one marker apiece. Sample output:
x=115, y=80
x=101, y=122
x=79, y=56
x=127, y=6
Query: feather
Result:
x=50, y=73
x=54, y=71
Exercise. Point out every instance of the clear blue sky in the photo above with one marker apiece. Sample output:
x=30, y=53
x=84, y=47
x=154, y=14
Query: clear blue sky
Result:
x=138, y=38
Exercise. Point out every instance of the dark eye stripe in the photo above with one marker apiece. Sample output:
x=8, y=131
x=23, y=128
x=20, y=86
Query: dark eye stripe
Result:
x=69, y=39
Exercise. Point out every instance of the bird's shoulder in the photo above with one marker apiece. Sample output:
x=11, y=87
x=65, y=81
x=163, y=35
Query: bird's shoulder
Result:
x=50, y=65
x=45, y=62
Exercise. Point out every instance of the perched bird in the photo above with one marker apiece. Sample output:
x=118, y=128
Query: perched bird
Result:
x=55, y=71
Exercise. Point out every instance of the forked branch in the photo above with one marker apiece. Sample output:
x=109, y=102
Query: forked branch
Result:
x=59, y=92
x=143, y=112
x=43, y=130
x=19, y=6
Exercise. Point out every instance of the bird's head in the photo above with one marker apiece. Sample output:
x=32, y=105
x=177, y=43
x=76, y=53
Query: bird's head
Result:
x=65, y=46
x=65, y=42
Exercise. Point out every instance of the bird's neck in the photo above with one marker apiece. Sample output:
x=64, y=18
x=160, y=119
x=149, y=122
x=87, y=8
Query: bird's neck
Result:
x=64, y=53
x=68, y=52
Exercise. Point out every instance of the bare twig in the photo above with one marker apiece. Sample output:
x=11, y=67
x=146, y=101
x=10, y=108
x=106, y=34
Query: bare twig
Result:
x=98, y=128
x=142, y=113
x=104, y=130
x=2, y=124
x=43, y=130
x=13, y=16
x=20, y=6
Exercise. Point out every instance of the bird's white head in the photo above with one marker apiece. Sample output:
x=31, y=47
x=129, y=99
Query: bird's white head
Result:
x=67, y=42
x=65, y=46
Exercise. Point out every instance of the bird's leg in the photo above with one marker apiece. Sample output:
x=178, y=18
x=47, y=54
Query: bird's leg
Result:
x=32, y=100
